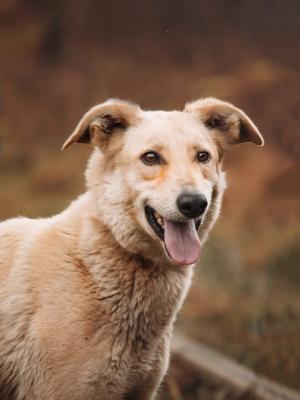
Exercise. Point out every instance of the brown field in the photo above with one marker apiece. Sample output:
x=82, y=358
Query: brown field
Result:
x=59, y=58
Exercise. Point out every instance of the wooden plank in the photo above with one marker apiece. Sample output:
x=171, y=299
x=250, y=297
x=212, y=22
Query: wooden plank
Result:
x=218, y=366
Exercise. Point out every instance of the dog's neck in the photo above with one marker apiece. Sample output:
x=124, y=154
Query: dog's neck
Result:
x=141, y=296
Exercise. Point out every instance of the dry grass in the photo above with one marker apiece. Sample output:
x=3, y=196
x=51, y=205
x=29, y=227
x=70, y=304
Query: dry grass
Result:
x=245, y=300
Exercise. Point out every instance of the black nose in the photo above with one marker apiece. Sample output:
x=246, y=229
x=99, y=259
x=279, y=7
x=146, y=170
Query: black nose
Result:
x=191, y=205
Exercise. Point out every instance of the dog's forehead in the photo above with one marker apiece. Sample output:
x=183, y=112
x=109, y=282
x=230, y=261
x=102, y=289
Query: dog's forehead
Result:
x=167, y=128
x=170, y=122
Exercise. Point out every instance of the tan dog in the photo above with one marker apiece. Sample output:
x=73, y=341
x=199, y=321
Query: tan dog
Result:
x=88, y=297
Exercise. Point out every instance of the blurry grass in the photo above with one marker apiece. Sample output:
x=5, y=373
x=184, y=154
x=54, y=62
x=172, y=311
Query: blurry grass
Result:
x=42, y=186
x=246, y=294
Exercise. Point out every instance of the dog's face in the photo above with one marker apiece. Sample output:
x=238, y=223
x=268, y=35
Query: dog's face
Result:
x=157, y=176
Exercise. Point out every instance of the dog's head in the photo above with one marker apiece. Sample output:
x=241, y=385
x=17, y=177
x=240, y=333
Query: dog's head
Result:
x=156, y=176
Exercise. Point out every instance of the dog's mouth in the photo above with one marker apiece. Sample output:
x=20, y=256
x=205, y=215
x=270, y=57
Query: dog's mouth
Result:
x=180, y=239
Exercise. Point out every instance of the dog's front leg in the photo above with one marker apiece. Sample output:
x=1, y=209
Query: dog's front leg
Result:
x=148, y=387
x=147, y=390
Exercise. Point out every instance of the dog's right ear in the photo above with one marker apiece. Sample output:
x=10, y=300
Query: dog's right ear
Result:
x=102, y=121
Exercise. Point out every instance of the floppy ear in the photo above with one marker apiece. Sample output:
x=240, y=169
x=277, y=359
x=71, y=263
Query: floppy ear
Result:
x=102, y=121
x=229, y=124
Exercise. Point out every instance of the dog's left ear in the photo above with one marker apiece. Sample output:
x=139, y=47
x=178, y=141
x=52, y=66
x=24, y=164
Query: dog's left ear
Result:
x=229, y=124
x=101, y=122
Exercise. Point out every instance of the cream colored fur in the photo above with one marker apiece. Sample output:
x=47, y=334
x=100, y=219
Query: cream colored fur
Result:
x=88, y=297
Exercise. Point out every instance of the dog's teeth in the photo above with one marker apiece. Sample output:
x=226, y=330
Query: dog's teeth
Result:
x=160, y=221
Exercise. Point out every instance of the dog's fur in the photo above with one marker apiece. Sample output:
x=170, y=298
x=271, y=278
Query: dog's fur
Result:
x=88, y=297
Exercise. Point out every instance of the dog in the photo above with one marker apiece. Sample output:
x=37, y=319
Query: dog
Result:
x=88, y=298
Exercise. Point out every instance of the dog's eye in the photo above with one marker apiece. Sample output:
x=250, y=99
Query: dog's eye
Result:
x=151, y=158
x=203, y=156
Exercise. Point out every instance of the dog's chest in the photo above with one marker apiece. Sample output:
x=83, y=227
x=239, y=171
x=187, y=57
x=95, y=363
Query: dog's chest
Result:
x=139, y=314
x=138, y=304
x=141, y=303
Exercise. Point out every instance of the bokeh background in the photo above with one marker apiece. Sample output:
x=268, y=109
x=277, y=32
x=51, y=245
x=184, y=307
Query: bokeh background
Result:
x=58, y=58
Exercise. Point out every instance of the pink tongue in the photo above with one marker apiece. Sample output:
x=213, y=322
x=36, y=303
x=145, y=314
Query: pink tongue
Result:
x=182, y=241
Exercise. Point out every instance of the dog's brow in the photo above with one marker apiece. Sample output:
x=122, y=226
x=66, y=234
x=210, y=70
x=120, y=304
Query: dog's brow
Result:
x=157, y=147
x=199, y=146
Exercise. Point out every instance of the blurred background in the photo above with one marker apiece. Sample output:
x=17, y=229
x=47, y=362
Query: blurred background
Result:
x=58, y=58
